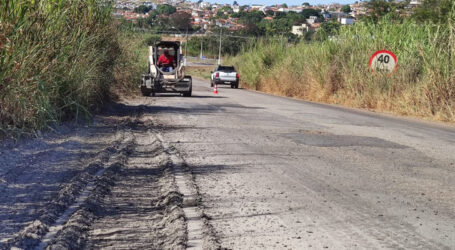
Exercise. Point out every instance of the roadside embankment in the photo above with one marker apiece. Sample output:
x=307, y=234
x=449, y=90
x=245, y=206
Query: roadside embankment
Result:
x=336, y=70
x=60, y=61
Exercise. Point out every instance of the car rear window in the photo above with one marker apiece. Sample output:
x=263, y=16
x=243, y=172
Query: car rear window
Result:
x=226, y=68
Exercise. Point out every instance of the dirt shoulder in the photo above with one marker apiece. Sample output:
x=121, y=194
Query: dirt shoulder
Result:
x=106, y=184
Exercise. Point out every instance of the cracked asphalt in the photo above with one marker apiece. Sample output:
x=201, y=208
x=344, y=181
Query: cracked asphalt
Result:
x=279, y=173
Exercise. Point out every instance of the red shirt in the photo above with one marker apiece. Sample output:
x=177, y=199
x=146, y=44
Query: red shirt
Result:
x=165, y=60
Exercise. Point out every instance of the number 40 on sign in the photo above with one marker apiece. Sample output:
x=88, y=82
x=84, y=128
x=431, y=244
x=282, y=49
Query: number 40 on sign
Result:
x=383, y=61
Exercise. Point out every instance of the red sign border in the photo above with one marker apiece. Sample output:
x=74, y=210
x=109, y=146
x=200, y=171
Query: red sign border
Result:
x=383, y=51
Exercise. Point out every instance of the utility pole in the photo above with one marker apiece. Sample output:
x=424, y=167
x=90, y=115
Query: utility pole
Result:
x=219, y=51
x=186, y=46
x=201, y=47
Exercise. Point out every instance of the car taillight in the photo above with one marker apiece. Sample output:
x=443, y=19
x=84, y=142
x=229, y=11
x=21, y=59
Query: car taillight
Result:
x=217, y=74
x=237, y=76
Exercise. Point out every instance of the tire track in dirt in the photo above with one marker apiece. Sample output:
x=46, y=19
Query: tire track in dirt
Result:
x=143, y=209
x=200, y=234
x=126, y=197
x=135, y=205
x=30, y=236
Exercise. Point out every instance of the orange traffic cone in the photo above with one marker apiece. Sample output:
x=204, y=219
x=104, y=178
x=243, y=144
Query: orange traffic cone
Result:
x=215, y=89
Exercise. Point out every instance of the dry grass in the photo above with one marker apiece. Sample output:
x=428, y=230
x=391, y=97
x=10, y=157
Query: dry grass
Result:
x=131, y=63
x=336, y=71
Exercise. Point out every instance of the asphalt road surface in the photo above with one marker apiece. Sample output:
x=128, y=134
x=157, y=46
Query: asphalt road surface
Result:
x=278, y=173
x=236, y=170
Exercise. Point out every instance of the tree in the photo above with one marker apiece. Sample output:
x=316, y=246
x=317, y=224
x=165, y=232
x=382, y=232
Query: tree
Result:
x=436, y=11
x=310, y=12
x=306, y=4
x=346, y=9
x=253, y=17
x=284, y=5
x=269, y=12
x=165, y=9
x=151, y=19
x=235, y=3
x=180, y=20
x=142, y=9
x=329, y=28
x=380, y=8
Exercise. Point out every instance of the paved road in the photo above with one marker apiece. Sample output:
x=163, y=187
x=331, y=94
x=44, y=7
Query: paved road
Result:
x=278, y=173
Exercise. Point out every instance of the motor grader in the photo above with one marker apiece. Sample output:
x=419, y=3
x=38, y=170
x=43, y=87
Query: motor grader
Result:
x=160, y=79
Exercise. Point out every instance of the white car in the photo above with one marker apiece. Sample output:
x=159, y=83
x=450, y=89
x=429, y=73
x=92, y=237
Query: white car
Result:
x=225, y=75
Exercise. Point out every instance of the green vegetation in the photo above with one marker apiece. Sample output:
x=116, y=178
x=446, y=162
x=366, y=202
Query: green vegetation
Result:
x=132, y=61
x=164, y=18
x=280, y=25
x=142, y=9
x=180, y=20
x=346, y=9
x=165, y=9
x=435, y=11
x=335, y=69
x=57, y=60
x=231, y=45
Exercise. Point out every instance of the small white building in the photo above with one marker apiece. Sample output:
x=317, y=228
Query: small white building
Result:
x=299, y=29
x=312, y=20
x=346, y=20
x=204, y=5
x=258, y=7
x=415, y=2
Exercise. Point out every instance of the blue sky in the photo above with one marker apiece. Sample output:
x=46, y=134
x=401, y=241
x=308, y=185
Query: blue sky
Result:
x=288, y=2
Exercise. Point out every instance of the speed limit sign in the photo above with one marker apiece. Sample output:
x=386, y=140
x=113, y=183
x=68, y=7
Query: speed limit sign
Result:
x=383, y=61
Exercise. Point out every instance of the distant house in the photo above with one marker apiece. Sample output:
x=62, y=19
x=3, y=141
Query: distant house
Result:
x=204, y=5
x=346, y=20
x=258, y=7
x=312, y=20
x=295, y=9
x=326, y=14
x=298, y=30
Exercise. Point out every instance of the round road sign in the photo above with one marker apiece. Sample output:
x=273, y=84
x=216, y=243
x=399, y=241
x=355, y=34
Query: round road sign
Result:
x=383, y=61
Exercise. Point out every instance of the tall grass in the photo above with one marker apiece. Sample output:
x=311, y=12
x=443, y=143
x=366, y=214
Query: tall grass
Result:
x=132, y=61
x=336, y=70
x=57, y=59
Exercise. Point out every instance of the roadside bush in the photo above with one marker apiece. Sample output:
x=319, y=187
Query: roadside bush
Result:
x=335, y=70
x=57, y=60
